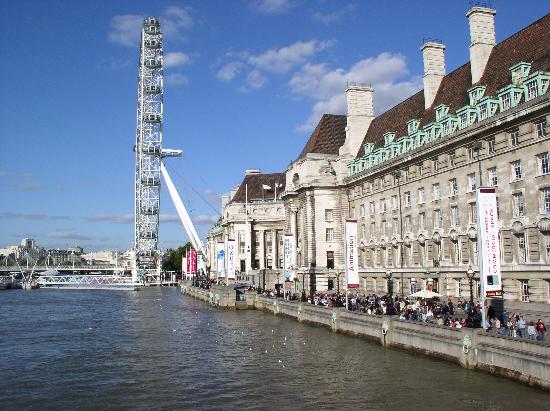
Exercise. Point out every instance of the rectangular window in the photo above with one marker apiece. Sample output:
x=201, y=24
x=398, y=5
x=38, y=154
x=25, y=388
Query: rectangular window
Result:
x=498, y=209
x=493, y=176
x=483, y=112
x=458, y=287
x=506, y=101
x=395, y=226
x=330, y=234
x=421, y=169
x=362, y=210
x=544, y=163
x=372, y=229
x=407, y=199
x=446, y=128
x=545, y=194
x=372, y=207
x=473, y=213
x=532, y=90
x=436, y=191
x=456, y=252
x=524, y=289
x=394, y=203
x=438, y=219
x=541, y=128
x=422, y=221
x=421, y=198
x=408, y=225
x=384, y=227
x=383, y=205
x=519, y=204
x=491, y=145
x=455, y=216
x=435, y=165
x=514, y=137
x=471, y=153
x=516, y=170
x=522, y=249
x=364, y=231
x=463, y=119
x=453, y=187
x=328, y=215
x=330, y=259
x=472, y=186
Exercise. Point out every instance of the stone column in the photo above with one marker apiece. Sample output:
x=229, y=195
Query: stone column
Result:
x=262, y=248
x=274, y=253
x=293, y=227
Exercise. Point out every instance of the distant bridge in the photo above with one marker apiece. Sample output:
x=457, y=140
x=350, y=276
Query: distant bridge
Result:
x=81, y=269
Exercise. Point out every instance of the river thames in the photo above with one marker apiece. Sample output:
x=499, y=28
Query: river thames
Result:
x=155, y=349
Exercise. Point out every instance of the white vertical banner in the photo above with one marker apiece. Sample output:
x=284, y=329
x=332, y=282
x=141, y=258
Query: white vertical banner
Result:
x=352, y=263
x=288, y=250
x=488, y=242
x=220, y=260
x=230, y=254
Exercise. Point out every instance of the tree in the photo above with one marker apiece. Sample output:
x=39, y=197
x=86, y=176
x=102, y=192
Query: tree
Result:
x=173, y=257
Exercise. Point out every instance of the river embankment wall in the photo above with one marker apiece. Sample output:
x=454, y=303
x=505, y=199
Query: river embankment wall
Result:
x=518, y=359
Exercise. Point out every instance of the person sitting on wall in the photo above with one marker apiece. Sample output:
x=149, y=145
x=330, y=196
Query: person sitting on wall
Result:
x=541, y=330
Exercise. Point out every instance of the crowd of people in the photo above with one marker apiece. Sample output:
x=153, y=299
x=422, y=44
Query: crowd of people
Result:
x=434, y=311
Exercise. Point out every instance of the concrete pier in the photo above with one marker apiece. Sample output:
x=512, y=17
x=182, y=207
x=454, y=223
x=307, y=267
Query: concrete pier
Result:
x=518, y=359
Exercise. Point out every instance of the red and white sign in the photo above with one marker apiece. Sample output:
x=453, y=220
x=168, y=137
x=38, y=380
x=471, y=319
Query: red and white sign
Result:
x=288, y=256
x=352, y=263
x=489, y=245
x=230, y=259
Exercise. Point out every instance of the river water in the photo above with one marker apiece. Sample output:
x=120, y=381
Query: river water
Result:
x=156, y=349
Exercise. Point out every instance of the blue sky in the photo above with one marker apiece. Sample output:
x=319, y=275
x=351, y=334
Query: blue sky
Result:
x=246, y=81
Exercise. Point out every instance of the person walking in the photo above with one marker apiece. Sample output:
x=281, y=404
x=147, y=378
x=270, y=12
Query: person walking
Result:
x=522, y=327
x=541, y=330
x=531, y=331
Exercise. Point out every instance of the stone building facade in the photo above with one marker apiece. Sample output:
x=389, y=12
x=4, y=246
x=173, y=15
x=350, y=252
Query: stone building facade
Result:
x=409, y=175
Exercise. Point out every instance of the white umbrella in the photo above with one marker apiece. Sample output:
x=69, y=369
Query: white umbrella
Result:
x=426, y=294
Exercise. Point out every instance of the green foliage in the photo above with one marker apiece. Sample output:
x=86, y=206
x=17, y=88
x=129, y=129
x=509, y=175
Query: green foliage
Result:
x=173, y=257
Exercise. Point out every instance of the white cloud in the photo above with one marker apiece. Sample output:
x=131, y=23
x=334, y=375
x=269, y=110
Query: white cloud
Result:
x=254, y=81
x=285, y=58
x=205, y=219
x=27, y=216
x=387, y=73
x=126, y=28
x=271, y=6
x=328, y=18
x=229, y=71
x=175, y=58
x=69, y=235
x=30, y=186
x=123, y=219
x=176, y=79
x=169, y=218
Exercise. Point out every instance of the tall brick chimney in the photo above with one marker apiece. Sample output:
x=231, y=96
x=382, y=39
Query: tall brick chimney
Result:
x=433, y=54
x=360, y=115
x=482, y=35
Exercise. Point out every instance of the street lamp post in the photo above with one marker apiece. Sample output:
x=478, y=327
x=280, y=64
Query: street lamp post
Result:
x=470, y=274
x=278, y=284
x=389, y=283
x=304, y=286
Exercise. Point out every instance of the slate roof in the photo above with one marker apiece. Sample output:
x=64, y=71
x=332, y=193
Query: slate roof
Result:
x=532, y=45
x=255, y=183
x=328, y=136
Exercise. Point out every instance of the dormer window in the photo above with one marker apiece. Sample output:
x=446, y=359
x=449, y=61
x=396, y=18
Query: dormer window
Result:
x=536, y=84
x=519, y=72
x=412, y=126
x=441, y=111
x=482, y=112
x=368, y=148
x=389, y=137
x=505, y=101
x=446, y=128
x=463, y=120
x=475, y=94
x=487, y=107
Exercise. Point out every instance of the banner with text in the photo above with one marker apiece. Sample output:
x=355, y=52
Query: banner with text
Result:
x=192, y=256
x=352, y=263
x=489, y=246
x=288, y=256
x=185, y=263
x=230, y=259
x=220, y=260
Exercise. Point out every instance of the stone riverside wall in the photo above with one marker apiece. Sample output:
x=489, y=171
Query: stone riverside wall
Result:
x=519, y=359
